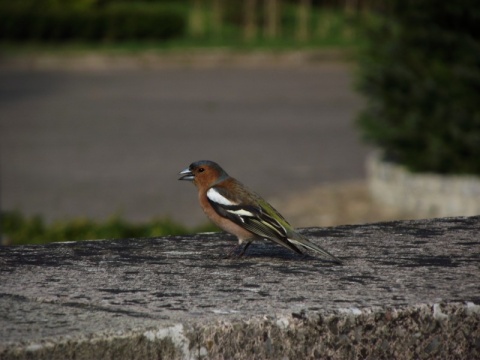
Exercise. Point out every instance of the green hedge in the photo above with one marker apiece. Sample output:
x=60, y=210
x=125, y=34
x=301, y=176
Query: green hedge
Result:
x=115, y=23
x=63, y=21
x=420, y=74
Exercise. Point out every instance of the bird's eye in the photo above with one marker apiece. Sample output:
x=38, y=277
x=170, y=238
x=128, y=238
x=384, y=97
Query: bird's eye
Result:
x=201, y=170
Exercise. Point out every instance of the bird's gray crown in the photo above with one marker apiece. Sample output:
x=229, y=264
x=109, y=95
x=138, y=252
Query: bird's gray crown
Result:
x=195, y=165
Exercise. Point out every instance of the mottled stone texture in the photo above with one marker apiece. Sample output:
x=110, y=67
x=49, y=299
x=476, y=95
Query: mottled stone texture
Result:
x=418, y=332
x=407, y=289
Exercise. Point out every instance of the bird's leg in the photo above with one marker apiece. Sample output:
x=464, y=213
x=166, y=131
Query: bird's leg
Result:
x=245, y=248
x=233, y=251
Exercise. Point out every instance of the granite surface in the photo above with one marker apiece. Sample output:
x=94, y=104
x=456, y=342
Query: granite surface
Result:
x=406, y=289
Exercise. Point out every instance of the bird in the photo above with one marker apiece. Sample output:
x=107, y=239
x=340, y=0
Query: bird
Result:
x=235, y=209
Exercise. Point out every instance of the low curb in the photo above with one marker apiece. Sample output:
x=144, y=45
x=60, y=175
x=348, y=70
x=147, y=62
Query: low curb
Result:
x=431, y=194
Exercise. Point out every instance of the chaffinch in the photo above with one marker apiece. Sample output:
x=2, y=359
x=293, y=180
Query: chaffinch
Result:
x=238, y=211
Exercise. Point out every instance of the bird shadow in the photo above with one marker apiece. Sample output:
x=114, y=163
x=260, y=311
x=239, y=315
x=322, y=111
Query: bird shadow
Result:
x=269, y=252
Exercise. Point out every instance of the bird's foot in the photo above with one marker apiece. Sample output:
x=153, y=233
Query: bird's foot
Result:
x=233, y=252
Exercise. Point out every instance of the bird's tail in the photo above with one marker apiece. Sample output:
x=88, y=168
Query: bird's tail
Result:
x=301, y=240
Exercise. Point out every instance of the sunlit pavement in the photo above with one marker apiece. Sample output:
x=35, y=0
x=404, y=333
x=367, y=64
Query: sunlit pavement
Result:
x=96, y=142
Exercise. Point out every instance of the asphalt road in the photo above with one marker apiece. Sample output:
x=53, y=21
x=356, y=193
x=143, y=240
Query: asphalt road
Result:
x=95, y=143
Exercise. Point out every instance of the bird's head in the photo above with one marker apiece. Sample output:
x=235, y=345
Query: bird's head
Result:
x=203, y=173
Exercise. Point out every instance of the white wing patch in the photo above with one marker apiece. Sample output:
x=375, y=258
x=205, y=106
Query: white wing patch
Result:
x=241, y=212
x=215, y=196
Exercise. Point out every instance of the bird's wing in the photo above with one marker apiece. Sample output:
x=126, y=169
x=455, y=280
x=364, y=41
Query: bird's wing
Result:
x=261, y=219
x=251, y=217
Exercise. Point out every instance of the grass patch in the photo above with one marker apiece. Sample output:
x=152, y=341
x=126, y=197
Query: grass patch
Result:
x=170, y=47
x=18, y=229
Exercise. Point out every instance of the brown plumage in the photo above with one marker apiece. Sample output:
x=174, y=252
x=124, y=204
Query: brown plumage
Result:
x=241, y=212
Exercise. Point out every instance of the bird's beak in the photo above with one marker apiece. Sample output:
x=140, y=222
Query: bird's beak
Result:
x=186, y=175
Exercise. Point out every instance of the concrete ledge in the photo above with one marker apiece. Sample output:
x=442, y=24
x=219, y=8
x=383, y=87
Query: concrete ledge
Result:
x=430, y=194
x=408, y=289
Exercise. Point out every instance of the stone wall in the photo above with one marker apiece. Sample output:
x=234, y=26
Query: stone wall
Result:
x=407, y=289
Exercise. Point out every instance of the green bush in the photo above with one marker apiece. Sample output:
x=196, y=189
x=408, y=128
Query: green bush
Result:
x=20, y=230
x=110, y=23
x=420, y=73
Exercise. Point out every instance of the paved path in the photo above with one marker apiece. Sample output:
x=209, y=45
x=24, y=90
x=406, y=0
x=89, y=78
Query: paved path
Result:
x=92, y=143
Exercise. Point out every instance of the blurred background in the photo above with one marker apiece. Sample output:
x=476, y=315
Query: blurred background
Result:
x=103, y=102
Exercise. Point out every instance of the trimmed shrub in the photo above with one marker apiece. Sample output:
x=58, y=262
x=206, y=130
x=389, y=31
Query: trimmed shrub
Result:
x=420, y=73
x=112, y=23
